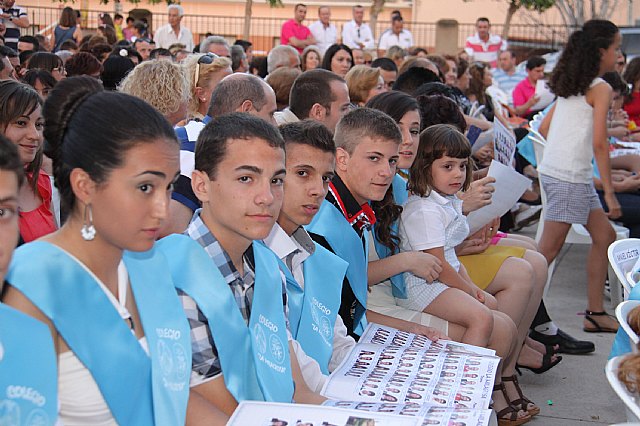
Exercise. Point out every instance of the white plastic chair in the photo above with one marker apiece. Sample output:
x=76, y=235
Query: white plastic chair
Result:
x=578, y=234
x=623, y=255
x=632, y=408
x=622, y=314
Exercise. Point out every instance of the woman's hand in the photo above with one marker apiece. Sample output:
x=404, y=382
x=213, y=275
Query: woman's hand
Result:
x=424, y=265
x=615, y=211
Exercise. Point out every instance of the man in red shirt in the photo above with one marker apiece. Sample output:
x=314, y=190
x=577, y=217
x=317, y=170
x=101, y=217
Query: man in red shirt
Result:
x=295, y=34
x=524, y=94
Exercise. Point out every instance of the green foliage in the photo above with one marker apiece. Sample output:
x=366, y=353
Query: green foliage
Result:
x=537, y=5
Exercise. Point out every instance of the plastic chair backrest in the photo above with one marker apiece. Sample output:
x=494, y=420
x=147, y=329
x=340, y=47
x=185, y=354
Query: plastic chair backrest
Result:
x=633, y=410
x=622, y=314
x=623, y=255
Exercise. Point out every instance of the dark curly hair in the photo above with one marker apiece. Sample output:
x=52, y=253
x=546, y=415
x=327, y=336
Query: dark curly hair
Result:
x=579, y=63
x=439, y=109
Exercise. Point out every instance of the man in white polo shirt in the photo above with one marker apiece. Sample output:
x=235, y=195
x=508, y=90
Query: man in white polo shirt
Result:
x=323, y=30
x=173, y=32
x=396, y=36
x=355, y=33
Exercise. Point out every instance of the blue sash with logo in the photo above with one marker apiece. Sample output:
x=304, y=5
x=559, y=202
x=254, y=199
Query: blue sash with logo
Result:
x=400, y=195
x=345, y=242
x=138, y=388
x=255, y=359
x=313, y=311
x=28, y=371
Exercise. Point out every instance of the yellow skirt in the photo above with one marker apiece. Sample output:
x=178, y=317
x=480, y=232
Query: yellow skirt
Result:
x=483, y=267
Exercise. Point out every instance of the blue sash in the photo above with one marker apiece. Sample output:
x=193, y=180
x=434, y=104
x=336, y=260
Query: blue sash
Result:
x=28, y=371
x=255, y=360
x=400, y=195
x=345, y=242
x=138, y=388
x=313, y=312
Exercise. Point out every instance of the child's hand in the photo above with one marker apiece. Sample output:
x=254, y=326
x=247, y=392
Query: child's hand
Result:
x=431, y=333
x=479, y=295
x=478, y=195
x=424, y=265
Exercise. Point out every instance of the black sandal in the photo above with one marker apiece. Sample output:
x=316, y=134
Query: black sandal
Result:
x=597, y=328
x=547, y=364
x=508, y=416
x=523, y=402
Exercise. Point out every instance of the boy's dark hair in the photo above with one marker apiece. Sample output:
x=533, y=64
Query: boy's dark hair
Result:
x=308, y=132
x=130, y=19
x=413, y=78
x=244, y=43
x=118, y=16
x=211, y=146
x=312, y=87
x=159, y=52
x=616, y=82
x=69, y=45
x=436, y=142
x=385, y=64
x=30, y=39
x=10, y=159
x=438, y=109
x=483, y=19
x=535, y=62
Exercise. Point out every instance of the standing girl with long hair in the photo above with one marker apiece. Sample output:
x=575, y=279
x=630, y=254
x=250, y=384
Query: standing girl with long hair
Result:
x=576, y=132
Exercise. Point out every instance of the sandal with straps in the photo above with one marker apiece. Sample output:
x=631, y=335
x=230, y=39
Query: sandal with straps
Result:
x=508, y=416
x=524, y=403
x=597, y=328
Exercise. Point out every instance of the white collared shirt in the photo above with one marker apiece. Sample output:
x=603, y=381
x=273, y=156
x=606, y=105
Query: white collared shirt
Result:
x=352, y=34
x=165, y=37
x=298, y=248
x=389, y=38
x=325, y=36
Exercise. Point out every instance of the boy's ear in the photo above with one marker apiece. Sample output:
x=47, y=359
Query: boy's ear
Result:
x=342, y=159
x=200, y=185
x=317, y=112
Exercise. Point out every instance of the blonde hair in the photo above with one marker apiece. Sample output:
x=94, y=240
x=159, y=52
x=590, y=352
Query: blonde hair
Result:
x=204, y=77
x=360, y=80
x=161, y=83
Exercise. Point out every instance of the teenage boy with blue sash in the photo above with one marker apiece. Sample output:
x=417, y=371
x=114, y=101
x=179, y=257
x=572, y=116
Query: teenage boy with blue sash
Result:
x=367, y=144
x=239, y=330
x=315, y=285
x=28, y=372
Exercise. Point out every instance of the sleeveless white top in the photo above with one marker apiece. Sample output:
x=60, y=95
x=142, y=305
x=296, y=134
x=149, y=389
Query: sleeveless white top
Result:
x=80, y=399
x=568, y=154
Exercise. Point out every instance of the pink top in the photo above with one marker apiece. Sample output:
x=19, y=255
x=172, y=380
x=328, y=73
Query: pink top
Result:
x=40, y=221
x=291, y=28
x=522, y=93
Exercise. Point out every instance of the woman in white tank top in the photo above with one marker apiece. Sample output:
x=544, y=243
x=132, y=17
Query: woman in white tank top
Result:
x=576, y=132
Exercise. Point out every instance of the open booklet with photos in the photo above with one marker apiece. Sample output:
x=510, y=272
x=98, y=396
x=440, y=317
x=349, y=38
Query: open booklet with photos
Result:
x=394, y=378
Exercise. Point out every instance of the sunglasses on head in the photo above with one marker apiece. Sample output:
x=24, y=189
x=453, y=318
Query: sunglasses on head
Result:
x=208, y=59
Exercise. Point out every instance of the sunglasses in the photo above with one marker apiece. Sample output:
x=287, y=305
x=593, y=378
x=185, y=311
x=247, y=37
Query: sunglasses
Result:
x=208, y=59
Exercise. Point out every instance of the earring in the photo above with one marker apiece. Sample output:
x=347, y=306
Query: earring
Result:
x=88, y=231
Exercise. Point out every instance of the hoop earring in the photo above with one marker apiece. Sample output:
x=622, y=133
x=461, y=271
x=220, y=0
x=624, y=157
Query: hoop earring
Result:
x=88, y=231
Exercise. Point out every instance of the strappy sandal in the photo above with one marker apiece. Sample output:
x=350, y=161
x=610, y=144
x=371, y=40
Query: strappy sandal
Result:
x=597, y=328
x=508, y=416
x=524, y=403
x=547, y=364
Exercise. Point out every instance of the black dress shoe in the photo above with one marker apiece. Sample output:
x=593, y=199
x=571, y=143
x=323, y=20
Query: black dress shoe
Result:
x=567, y=344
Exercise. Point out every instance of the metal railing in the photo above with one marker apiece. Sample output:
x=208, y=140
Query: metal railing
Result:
x=265, y=32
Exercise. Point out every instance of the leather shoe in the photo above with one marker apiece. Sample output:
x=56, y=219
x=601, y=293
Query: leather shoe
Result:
x=567, y=344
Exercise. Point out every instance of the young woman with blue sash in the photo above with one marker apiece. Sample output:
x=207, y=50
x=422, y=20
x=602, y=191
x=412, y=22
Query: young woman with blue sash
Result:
x=28, y=391
x=105, y=292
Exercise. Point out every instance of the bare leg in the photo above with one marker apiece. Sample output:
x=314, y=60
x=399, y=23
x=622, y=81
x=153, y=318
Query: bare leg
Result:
x=458, y=307
x=602, y=235
x=515, y=240
x=552, y=239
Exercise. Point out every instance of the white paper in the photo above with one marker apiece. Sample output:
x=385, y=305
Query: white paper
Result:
x=413, y=370
x=504, y=143
x=258, y=413
x=430, y=414
x=509, y=187
x=546, y=97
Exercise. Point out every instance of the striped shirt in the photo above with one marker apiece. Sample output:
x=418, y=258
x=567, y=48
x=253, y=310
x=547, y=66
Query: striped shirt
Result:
x=13, y=31
x=187, y=136
x=485, y=51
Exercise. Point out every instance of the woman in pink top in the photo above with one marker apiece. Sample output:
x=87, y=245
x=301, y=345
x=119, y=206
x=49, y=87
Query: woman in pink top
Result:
x=22, y=123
